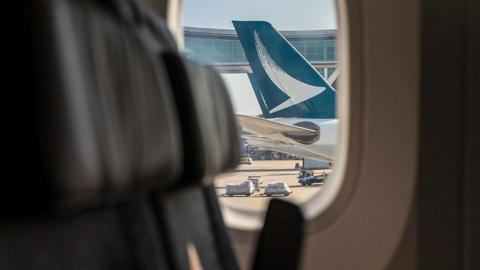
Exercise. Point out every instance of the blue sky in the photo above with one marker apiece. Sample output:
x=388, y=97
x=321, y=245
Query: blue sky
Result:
x=283, y=14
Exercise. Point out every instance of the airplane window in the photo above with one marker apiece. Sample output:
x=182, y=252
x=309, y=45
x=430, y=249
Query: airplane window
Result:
x=279, y=61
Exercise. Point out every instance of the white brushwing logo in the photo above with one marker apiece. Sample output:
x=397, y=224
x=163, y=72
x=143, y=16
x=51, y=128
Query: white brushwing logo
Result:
x=296, y=90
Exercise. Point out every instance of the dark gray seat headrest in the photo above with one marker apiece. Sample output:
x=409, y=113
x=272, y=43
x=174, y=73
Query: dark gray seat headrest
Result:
x=210, y=135
x=98, y=120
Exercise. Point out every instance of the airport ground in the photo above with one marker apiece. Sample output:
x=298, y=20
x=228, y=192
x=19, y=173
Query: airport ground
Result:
x=269, y=170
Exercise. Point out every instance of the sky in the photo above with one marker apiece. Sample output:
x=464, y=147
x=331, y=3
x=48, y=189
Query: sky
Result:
x=282, y=14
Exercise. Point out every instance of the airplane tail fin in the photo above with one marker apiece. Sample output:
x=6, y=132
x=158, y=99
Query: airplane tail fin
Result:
x=258, y=95
x=286, y=84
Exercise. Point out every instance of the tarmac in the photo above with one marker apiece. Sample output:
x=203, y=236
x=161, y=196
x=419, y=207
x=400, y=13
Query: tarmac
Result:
x=269, y=170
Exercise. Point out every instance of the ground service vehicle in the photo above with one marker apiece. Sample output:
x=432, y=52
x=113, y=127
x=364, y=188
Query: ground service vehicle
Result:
x=277, y=188
x=246, y=160
x=256, y=180
x=308, y=178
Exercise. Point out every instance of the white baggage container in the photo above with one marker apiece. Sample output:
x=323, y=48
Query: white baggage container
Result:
x=245, y=188
x=277, y=188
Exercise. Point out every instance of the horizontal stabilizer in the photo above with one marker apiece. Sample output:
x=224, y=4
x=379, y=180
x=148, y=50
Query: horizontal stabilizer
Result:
x=267, y=128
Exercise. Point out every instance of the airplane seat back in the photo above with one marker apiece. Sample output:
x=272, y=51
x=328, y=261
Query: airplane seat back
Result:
x=92, y=132
x=204, y=106
x=94, y=122
x=191, y=213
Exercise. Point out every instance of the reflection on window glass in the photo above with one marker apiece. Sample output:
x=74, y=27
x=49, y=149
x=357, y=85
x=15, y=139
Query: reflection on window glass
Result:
x=279, y=61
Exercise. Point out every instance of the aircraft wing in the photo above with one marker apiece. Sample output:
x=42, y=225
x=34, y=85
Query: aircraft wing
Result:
x=273, y=130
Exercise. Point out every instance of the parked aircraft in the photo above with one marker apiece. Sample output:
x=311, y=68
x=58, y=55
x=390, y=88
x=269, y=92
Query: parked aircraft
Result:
x=298, y=105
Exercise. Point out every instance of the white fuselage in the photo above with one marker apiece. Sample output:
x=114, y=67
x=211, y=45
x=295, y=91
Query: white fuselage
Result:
x=322, y=149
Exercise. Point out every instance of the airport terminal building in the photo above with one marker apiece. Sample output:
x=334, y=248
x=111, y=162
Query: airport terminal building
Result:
x=221, y=48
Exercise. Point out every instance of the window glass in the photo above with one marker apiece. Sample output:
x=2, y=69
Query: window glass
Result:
x=278, y=59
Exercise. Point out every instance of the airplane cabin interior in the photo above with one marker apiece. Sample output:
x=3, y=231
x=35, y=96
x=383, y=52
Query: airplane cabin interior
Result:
x=113, y=139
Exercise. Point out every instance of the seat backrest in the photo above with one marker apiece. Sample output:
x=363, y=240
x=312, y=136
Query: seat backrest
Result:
x=191, y=214
x=92, y=132
x=94, y=121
